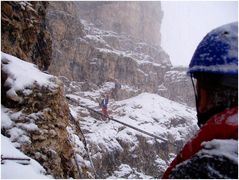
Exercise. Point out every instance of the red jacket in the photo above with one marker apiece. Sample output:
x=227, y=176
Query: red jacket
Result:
x=221, y=126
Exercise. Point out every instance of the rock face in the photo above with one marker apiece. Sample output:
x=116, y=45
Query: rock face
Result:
x=177, y=86
x=66, y=29
x=83, y=52
x=39, y=116
x=24, y=33
x=141, y=20
x=95, y=55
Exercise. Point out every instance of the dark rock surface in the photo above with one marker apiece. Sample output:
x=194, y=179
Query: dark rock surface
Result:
x=24, y=33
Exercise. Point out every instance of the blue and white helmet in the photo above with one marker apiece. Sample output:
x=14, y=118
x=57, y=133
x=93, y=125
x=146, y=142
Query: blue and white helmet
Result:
x=217, y=53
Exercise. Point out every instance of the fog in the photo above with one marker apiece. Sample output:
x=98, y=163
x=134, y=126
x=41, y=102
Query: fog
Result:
x=186, y=23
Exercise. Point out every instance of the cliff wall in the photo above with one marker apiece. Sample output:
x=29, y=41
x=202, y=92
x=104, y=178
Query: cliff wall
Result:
x=84, y=52
x=24, y=33
x=141, y=20
x=35, y=116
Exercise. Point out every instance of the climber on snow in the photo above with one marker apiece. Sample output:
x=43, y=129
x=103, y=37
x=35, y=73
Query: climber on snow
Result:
x=214, y=68
x=104, y=106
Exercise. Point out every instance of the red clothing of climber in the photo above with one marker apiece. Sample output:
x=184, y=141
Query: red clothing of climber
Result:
x=104, y=105
x=221, y=126
x=105, y=111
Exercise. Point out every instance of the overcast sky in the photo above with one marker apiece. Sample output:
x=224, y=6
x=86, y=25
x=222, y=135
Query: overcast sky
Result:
x=186, y=23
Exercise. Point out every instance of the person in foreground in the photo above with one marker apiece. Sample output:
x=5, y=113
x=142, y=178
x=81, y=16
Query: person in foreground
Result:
x=213, y=151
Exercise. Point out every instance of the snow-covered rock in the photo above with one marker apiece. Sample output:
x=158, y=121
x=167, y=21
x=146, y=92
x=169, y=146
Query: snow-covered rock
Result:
x=75, y=143
x=19, y=169
x=97, y=53
x=35, y=116
x=119, y=151
x=97, y=56
x=175, y=84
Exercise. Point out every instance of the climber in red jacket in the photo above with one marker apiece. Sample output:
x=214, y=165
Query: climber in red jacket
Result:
x=104, y=106
x=214, y=68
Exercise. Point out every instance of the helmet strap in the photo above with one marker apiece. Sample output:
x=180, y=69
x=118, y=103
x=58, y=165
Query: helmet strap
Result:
x=195, y=93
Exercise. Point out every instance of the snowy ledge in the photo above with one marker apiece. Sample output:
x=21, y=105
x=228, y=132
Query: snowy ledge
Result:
x=14, y=169
x=22, y=74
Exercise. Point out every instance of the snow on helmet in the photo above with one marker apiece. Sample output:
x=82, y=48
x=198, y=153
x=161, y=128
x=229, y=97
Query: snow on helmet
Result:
x=217, y=53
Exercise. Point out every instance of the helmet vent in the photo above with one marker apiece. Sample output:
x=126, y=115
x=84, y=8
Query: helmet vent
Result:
x=226, y=32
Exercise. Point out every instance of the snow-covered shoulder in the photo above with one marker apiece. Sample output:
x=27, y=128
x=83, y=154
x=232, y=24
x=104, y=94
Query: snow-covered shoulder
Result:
x=13, y=169
x=22, y=74
x=221, y=147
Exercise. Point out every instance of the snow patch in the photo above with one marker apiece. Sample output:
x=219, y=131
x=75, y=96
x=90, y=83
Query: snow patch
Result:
x=156, y=114
x=13, y=170
x=125, y=171
x=22, y=74
x=6, y=122
x=218, y=147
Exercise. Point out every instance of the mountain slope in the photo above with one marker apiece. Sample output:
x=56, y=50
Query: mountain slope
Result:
x=83, y=52
x=36, y=114
x=37, y=119
x=115, y=148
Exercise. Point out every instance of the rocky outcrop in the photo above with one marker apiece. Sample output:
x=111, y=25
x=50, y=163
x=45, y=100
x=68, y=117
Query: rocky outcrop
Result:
x=24, y=33
x=141, y=20
x=148, y=157
x=66, y=29
x=177, y=86
x=119, y=152
x=38, y=117
x=93, y=54
x=97, y=56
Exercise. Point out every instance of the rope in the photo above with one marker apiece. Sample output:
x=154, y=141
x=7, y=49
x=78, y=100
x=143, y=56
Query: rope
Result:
x=86, y=148
x=130, y=126
x=91, y=162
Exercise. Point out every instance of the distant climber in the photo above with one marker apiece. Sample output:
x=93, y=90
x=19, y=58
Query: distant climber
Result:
x=115, y=90
x=117, y=84
x=213, y=152
x=104, y=106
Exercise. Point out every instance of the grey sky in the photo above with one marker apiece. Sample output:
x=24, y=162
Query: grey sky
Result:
x=185, y=23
